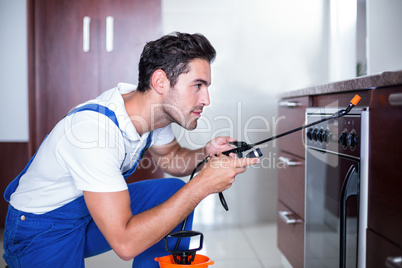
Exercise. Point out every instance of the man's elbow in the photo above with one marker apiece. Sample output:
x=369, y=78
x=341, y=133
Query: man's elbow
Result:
x=125, y=252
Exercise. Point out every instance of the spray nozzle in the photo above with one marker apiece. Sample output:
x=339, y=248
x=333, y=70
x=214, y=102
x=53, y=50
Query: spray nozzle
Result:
x=355, y=100
x=352, y=104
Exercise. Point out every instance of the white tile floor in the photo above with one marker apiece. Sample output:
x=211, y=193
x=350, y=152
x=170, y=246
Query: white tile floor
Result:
x=251, y=247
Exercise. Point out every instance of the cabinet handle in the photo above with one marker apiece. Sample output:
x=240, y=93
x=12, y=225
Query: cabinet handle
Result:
x=109, y=33
x=289, y=104
x=393, y=262
x=288, y=161
x=284, y=215
x=85, y=33
x=395, y=99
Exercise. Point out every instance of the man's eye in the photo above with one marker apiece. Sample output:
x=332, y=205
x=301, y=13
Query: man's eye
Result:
x=198, y=86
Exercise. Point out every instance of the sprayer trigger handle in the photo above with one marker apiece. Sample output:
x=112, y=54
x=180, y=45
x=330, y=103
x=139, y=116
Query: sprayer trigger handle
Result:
x=238, y=143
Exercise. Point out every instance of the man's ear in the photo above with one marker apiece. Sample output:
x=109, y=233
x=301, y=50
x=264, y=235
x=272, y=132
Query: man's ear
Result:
x=159, y=81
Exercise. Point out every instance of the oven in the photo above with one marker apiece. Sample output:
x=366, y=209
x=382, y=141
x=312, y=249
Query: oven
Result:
x=335, y=194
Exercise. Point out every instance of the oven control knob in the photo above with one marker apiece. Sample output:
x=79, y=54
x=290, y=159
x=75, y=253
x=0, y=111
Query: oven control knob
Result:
x=310, y=134
x=343, y=139
x=314, y=134
x=320, y=135
x=352, y=140
x=327, y=135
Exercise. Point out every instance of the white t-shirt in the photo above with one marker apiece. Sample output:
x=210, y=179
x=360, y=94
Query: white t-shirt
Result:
x=85, y=151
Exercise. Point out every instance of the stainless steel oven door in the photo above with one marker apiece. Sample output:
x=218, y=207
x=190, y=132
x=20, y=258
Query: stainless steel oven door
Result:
x=326, y=174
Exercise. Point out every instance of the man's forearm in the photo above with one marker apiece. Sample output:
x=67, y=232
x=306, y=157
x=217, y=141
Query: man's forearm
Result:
x=183, y=162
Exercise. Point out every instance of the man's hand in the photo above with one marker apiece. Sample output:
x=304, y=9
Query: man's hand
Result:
x=218, y=145
x=219, y=173
x=180, y=161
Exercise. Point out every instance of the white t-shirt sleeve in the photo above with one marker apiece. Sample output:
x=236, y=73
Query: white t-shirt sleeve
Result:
x=93, y=153
x=163, y=136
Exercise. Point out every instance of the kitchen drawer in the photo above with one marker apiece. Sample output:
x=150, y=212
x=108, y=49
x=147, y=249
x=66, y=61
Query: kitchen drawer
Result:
x=379, y=249
x=290, y=235
x=292, y=115
x=291, y=182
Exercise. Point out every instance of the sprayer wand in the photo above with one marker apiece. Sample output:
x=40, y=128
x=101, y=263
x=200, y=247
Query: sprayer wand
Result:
x=338, y=114
x=242, y=146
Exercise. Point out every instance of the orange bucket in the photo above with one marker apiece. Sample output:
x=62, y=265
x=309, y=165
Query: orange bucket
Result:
x=200, y=261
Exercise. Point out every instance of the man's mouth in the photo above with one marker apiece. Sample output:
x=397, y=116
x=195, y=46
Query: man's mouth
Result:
x=197, y=113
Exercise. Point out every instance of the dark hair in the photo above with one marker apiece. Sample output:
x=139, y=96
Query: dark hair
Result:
x=172, y=54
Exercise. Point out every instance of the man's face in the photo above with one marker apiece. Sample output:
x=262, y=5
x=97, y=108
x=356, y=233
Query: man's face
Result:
x=186, y=100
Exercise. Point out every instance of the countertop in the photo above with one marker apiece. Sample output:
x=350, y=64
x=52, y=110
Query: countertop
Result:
x=364, y=82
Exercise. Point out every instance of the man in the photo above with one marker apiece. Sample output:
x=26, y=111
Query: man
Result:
x=72, y=202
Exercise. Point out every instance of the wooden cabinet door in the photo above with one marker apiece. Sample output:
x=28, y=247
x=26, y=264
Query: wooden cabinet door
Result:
x=132, y=23
x=381, y=252
x=62, y=73
x=290, y=236
x=385, y=183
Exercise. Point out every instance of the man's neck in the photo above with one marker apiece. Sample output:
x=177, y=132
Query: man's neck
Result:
x=144, y=110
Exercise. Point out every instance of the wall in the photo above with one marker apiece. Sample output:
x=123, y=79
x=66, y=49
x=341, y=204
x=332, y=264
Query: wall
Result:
x=264, y=47
x=13, y=71
x=342, y=39
x=384, y=24
x=361, y=34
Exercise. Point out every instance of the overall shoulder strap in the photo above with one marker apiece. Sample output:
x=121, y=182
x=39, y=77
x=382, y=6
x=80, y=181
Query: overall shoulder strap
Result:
x=87, y=107
x=97, y=108
x=143, y=151
x=112, y=116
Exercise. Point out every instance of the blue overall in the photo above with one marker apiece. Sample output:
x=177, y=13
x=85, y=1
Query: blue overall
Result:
x=65, y=236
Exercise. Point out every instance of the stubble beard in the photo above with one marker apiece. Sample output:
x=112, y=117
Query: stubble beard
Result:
x=177, y=114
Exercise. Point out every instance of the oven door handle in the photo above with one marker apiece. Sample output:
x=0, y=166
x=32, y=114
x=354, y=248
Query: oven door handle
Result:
x=350, y=188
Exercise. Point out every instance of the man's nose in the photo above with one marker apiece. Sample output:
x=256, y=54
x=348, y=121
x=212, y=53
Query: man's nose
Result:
x=205, y=100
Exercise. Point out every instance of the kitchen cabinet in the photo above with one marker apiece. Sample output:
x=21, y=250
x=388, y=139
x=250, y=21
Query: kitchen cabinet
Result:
x=80, y=48
x=290, y=235
x=18, y=153
x=290, y=206
x=70, y=61
x=384, y=236
x=64, y=71
x=381, y=252
x=382, y=95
